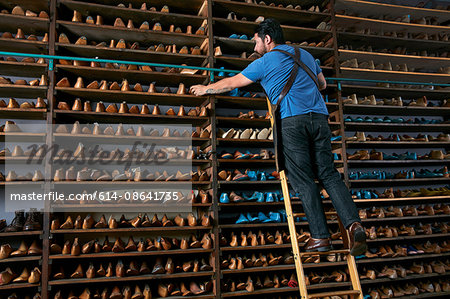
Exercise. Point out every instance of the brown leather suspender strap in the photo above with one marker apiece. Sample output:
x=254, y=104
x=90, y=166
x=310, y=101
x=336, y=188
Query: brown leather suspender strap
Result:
x=300, y=63
x=275, y=112
x=292, y=75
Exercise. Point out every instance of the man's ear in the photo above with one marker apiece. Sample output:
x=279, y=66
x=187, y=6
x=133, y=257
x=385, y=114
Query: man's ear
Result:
x=267, y=39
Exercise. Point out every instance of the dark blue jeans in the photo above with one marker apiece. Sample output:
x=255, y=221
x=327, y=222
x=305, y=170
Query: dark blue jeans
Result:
x=307, y=153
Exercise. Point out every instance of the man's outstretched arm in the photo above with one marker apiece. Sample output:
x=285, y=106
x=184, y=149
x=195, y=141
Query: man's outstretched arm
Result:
x=221, y=86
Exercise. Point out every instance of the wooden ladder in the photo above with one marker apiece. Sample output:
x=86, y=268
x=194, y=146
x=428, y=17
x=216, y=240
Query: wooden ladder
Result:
x=356, y=291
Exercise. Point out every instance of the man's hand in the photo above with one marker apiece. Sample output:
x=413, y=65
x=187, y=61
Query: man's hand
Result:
x=198, y=90
x=221, y=86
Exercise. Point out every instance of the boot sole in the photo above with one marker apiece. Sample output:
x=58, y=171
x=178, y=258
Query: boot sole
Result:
x=360, y=237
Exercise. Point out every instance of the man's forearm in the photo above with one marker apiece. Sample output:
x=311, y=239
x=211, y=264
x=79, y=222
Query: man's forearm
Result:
x=219, y=87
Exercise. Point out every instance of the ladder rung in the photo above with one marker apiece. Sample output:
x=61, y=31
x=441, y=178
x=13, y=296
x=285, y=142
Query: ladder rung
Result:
x=303, y=214
x=345, y=251
x=335, y=293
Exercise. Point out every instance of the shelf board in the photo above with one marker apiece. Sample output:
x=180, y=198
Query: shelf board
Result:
x=13, y=286
x=237, y=46
x=168, y=162
x=19, y=183
x=391, y=10
x=110, y=139
x=128, y=278
x=191, y=7
x=21, y=259
x=240, y=102
x=104, y=33
x=69, y=115
x=396, y=144
x=318, y=286
x=135, y=184
x=396, y=127
x=30, y=25
x=402, y=200
x=14, y=160
x=22, y=137
x=110, y=12
x=244, y=183
x=259, y=247
x=394, y=75
x=21, y=233
x=23, y=69
x=117, y=96
x=21, y=113
x=113, y=207
x=95, y=73
x=408, y=238
x=128, y=54
x=396, y=110
x=281, y=267
x=244, y=142
x=246, y=161
x=360, y=90
x=374, y=24
x=23, y=46
x=407, y=278
x=286, y=16
x=305, y=223
x=225, y=27
x=402, y=259
x=253, y=142
x=23, y=91
x=258, y=225
x=417, y=62
x=238, y=294
x=428, y=295
x=260, y=269
x=193, y=296
x=359, y=202
x=390, y=163
x=130, y=230
x=129, y=254
x=407, y=218
x=243, y=122
x=358, y=40
x=401, y=181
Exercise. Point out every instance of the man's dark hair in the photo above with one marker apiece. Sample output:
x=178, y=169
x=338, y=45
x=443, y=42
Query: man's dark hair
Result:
x=272, y=28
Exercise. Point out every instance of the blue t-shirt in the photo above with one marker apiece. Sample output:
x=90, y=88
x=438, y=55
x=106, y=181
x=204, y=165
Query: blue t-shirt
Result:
x=273, y=70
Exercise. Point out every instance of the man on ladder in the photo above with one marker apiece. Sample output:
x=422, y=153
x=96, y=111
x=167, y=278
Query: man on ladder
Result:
x=292, y=80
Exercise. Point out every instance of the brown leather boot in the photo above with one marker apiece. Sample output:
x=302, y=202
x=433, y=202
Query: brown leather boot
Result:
x=32, y=222
x=17, y=223
x=357, y=240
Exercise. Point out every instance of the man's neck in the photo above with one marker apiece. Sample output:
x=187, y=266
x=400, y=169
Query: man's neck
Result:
x=272, y=46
